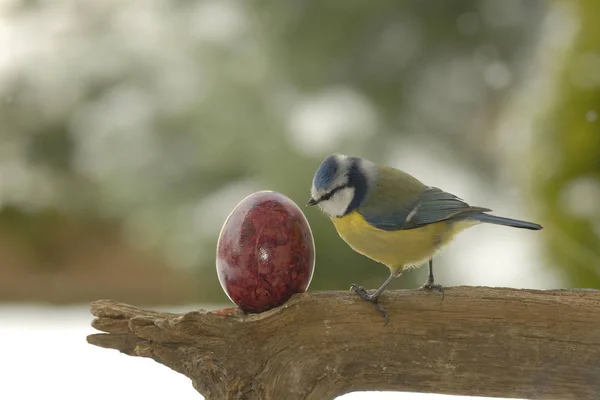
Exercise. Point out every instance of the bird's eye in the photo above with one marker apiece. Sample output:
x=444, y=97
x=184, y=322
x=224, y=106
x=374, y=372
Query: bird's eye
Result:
x=327, y=196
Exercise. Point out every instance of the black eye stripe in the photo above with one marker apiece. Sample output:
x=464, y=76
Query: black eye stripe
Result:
x=334, y=191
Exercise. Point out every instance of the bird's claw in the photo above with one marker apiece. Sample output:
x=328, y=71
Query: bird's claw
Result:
x=433, y=286
x=382, y=311
x=359, y=290
x=362, y=293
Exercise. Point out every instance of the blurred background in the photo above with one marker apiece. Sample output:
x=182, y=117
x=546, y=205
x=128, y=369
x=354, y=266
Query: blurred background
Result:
x=129, y=131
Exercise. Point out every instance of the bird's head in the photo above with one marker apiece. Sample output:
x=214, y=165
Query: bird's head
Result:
x=341, y=183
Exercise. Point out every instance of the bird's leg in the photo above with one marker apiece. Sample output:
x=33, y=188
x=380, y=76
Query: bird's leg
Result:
x=430, y=278
x=374, y=298
x=430, y=283
x=393, y=275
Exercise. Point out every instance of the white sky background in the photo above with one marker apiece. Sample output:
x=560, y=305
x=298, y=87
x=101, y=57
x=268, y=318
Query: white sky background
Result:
x=44, y=355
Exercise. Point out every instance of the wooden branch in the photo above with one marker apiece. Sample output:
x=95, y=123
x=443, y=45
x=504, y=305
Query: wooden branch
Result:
x=476, y=341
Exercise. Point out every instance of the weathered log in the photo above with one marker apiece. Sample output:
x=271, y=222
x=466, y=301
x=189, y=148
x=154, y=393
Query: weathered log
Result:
x=475, y=341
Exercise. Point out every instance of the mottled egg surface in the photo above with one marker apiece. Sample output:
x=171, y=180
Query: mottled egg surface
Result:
x=265, y=252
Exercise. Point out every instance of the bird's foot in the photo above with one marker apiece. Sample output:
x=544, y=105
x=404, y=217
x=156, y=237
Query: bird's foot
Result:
x=362, y=293
x=359, y=290
x=430, y=286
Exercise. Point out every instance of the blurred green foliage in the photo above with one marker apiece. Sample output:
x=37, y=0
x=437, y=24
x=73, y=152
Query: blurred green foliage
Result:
x=567, y=162
x=160, y=117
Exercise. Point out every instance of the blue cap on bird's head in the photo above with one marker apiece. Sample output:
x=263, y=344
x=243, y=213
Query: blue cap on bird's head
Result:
x=326, y=173
x=340, y=183
x=329, y=175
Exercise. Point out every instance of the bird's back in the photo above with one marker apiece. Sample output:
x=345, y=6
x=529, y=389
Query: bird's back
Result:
x=393, y=190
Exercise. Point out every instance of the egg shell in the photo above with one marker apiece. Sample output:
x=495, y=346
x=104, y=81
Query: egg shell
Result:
x=265, y=252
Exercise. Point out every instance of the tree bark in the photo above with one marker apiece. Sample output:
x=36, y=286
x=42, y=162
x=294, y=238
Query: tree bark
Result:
x=474, y=341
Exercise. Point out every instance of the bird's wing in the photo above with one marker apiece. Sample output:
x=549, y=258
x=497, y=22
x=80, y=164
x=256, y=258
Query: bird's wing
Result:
x=400, y=205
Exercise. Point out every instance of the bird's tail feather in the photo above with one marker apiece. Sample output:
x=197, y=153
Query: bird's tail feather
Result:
x=492, y=219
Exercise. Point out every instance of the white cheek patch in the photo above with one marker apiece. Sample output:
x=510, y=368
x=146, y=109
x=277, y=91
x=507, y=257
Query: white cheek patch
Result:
x=337, y=205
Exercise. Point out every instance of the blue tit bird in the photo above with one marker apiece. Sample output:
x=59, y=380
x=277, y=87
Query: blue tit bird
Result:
x=392, y=217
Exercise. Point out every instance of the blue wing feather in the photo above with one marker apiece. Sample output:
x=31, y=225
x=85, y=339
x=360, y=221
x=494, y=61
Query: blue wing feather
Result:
x=431, y=206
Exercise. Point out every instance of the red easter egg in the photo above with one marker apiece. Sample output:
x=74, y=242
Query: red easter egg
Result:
x=265, y=252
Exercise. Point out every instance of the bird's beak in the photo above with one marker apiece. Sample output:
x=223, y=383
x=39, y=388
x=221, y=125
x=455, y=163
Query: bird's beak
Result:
x=311, y=202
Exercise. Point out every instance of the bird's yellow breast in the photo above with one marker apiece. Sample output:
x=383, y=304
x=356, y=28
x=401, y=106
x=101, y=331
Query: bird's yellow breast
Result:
x=396, y=249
